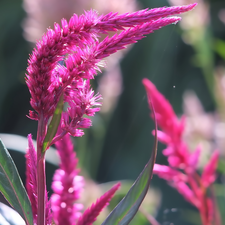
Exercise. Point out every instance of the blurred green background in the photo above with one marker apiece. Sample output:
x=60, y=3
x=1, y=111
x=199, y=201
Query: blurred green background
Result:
x=120, y=141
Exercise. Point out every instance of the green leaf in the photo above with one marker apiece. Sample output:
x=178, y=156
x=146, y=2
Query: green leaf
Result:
x=53, y=126
x=124, y=212
x=12, y=187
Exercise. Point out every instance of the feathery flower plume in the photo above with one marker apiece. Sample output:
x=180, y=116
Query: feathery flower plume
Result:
x=31, y=177
x=208, y=174
x=82, y=31
x=90, y=214
x=67, y=185
x=82, y=101
x=172, y=128
x=181, y=172
x=113, y=22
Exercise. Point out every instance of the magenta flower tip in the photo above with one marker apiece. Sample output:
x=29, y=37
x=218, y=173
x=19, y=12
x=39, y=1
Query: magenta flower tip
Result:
x=31, y=177
x=67, y=184
x=193, y=5
x=209, y=171
x=169, y=173
x=194, y=158
x=90, y=214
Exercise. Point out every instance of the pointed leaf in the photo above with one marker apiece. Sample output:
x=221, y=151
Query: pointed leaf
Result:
x=12, y=187
x=124, y=212
x=53, y=126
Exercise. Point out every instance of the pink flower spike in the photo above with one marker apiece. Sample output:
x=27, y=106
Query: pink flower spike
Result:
x=82, y=33
x=164, y=138
x=165, y=115
x=172, y=128
x=82, y=101
x=169, y=174
x=187, y=193
x=67, y=184
x=112, y=21
x=194, y=158
x=131, y=35
x=209, y=171
x=31, y=176
x=174, y=161
x=90, y=214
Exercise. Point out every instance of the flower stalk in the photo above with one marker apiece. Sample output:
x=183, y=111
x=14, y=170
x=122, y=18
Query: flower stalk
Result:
x=41, y=183
x=41, y=177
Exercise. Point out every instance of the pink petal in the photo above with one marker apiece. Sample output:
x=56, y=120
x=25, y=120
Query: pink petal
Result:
x=209, y=171
x=90, y=215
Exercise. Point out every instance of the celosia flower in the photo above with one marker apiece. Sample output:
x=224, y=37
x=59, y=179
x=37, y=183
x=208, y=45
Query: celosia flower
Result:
x=181, y=172
x=82, y=32
x=67, y=185
x=194, y=158
x=31, y=177
x=168, y=173
x=82, y=101
x=90, y=215
x=187, y=193
x=172, y=128
x=208, y=174
x=41, y=14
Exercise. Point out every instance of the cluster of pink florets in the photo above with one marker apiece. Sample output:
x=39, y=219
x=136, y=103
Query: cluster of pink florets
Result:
x=81, y=101
x=67, y=185
x=76, y=44
x=181, y=173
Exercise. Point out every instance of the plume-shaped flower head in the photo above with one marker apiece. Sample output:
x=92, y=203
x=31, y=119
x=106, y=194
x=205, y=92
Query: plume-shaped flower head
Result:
x=209, y=171
x=31, y=176
x=182, y=170
x=67, y=185
x=90, y=214
x=76, y=44
x=172, y=128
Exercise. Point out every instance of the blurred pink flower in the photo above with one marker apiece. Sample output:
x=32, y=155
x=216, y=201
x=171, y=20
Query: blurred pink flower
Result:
x=90, y=214
x=172, y=128
x=67, y=185
x=182, y=170
x=209, y=171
